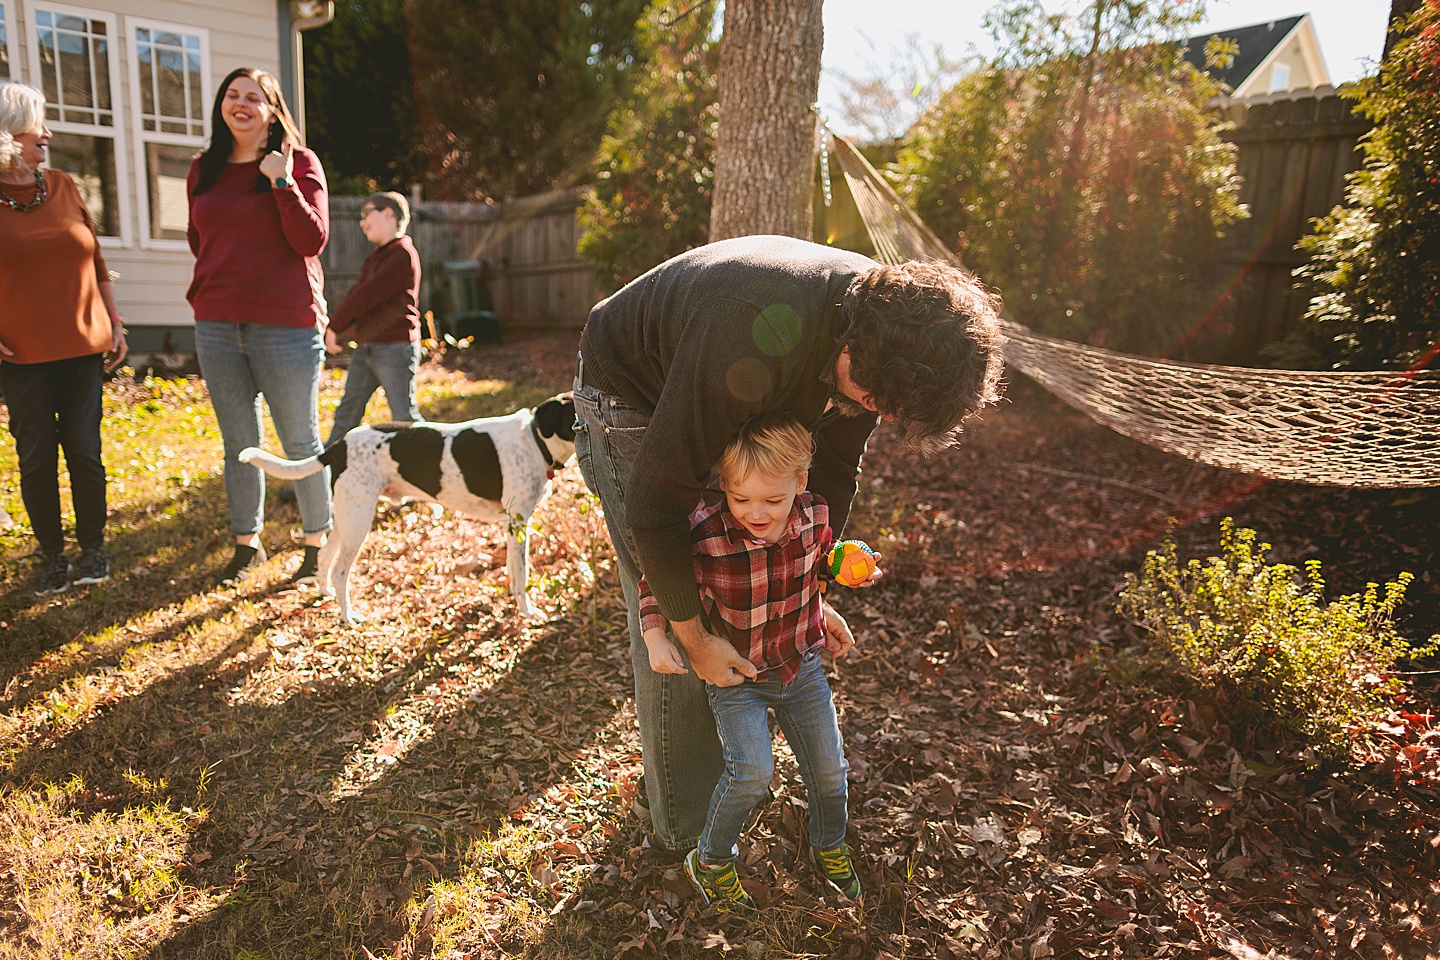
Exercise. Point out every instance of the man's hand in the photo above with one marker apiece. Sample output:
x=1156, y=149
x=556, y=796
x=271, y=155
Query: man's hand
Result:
x=842, y=641
x=6, y=351
x=664, y=658
x=332, y=345
x=715, y=661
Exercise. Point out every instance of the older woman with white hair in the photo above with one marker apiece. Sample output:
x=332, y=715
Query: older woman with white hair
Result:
x=59, y=330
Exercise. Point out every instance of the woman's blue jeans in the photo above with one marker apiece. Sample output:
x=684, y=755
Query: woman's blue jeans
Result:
x=806, y=713
x=677, y=730
x=242, y=362
x=374, y=366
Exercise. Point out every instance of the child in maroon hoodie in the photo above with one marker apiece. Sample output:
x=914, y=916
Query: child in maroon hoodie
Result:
x=381, y=316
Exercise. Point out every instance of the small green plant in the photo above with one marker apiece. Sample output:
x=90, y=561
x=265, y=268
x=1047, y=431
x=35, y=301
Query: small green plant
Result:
x=1262, y=638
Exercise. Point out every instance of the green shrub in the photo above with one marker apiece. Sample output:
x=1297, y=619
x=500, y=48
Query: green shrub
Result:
x=1262, y=637
x=655, y=169
x=1081, y=172
x=1375, y=262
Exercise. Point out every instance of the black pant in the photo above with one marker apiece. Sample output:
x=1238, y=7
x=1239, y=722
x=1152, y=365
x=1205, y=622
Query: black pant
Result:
x=54, y=405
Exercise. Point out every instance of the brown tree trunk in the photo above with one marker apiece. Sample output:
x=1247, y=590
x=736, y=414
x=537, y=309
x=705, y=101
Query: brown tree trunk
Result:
x=765, y=142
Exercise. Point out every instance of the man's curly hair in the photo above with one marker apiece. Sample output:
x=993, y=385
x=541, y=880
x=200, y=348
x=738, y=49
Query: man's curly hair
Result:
x=925, y=342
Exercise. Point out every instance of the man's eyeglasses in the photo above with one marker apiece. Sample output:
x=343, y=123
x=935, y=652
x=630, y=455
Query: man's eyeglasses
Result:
x=365, y=212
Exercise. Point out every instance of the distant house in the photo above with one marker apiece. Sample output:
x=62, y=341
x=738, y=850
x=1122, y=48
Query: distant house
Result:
x=128, y=87
x=1275, y=56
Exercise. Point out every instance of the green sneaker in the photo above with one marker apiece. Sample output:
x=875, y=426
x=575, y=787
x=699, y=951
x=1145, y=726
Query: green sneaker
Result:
x=835, y=868
x=720, y=883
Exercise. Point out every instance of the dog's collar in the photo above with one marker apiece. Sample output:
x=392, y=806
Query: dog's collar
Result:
x=550, y=463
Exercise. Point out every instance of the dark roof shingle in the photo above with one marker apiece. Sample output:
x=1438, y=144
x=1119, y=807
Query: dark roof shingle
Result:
x=1256, y=41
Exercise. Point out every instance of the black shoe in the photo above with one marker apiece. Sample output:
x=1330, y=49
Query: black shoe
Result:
x=309, y=568
x=244, y=560
x=94, y=566
x=54, y=576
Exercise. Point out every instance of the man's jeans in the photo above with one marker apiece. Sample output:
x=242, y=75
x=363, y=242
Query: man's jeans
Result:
x=241, y=362
x=54, y=405
x=807, y=715
x=683, y=761
x=388, y=366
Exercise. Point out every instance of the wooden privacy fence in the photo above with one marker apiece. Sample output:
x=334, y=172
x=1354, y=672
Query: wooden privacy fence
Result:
x=537, y=280
x=1294, y=153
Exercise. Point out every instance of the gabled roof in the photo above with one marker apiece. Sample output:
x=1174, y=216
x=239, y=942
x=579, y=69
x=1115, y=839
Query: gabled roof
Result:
x=1256, y=41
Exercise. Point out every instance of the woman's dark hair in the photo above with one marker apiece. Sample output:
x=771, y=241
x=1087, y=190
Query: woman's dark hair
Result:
x=214, y=157
x=925, y=343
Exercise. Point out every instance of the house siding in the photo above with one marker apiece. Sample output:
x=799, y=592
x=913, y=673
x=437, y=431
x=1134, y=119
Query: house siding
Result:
x=154, y=275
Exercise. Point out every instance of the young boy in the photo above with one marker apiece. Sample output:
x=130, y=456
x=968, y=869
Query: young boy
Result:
x=759, y=548
x=381, y=315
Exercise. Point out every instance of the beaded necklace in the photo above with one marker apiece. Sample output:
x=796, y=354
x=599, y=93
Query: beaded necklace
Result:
x=14, y=204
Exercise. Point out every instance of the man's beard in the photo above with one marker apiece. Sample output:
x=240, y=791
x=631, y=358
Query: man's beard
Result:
x=846, y=406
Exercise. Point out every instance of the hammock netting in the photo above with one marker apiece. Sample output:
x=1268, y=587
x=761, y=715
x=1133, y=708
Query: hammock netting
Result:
x=1342, y=429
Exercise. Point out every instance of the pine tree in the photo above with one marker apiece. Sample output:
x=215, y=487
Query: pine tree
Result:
x=360, y=106
x=513, y=97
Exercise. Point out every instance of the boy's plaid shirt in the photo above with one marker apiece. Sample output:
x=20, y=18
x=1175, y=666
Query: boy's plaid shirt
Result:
x=762, y=597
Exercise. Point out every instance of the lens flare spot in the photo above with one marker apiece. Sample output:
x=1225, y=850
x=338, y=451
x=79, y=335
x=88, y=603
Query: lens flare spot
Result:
x=748, y=380
x=777, y=329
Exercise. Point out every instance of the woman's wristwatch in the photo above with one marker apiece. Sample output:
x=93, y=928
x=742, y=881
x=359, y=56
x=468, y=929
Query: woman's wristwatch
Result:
x=282, y=182
x=118, y=321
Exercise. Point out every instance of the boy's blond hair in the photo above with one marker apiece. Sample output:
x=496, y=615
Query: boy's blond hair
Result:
x=774, y=444
x=394, y=202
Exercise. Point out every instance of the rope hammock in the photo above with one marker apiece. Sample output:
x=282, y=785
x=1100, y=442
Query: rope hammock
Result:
x=1343, y=429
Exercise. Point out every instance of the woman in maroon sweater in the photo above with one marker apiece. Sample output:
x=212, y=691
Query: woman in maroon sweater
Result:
x=259, y=218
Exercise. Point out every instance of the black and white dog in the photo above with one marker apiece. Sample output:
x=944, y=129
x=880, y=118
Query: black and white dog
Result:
x=494, y=468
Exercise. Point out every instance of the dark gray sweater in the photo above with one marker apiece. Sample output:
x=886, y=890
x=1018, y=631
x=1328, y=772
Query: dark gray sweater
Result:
x=705, y=342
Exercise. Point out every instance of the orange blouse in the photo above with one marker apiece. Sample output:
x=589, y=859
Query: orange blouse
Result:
x=50, y=275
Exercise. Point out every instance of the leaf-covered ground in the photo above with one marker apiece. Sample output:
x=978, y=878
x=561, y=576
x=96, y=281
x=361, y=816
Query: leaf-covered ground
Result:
x=234, y=775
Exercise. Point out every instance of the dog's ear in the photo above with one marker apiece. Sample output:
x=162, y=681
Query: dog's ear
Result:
x=556, y=417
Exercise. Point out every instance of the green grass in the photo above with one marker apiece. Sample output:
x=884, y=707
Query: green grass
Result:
x=230, y=774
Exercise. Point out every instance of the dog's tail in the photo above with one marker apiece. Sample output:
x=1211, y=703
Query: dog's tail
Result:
x=284, y=469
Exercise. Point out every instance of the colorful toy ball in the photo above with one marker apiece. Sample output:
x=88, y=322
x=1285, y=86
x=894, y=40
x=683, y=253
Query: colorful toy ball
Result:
x=851, y=562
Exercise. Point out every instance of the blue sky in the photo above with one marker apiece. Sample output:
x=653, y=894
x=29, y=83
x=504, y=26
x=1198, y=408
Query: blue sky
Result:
x=860, y=34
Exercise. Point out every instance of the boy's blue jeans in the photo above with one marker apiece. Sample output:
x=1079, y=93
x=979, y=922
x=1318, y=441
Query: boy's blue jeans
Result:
x=806, y=713
x=677, y=730
x=387, y=366
x=240, y=362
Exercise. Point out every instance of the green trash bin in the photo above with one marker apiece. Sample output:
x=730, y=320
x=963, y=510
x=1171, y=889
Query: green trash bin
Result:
x=469, y=312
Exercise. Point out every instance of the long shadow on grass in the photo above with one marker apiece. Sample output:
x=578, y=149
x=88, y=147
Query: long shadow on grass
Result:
x=316, y=874
x=188, y=532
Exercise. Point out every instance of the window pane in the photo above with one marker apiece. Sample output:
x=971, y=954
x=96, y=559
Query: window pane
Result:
x=76, y=82
x=102, y=73
x=75, y=68
x=4, y=45
x=172, y=60
x=197, y=105
x=165, y=168
x=171, y=71
x=91, y=161
x=147, y=79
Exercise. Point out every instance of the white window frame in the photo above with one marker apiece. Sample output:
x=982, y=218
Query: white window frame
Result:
x=115, y=132
x=8, y=20
x=141, y=136
x=1279, y=77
